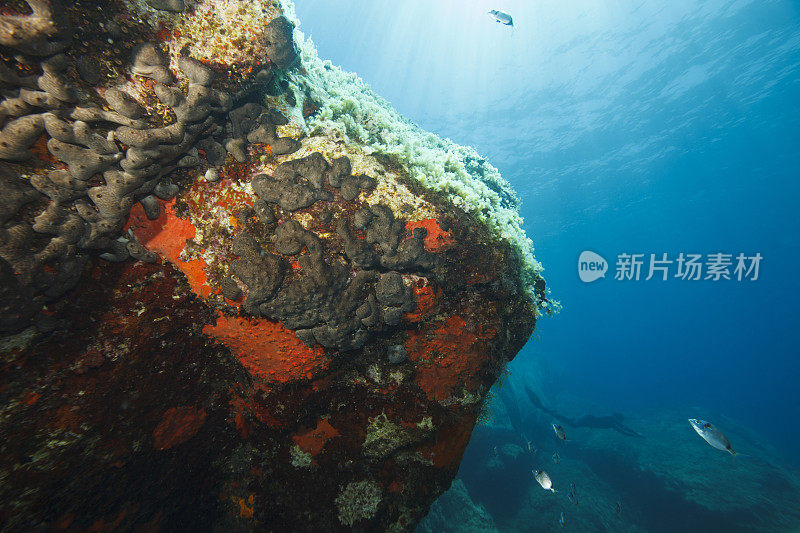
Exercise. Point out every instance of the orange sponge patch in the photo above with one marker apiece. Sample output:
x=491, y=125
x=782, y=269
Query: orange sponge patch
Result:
x=313, y=440
x=167, y=236
x=426, y=299
x=267, y=349
x=437, y=239
x=446, y=355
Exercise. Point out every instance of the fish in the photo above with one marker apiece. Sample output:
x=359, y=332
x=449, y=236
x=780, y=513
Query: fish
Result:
x=572, y=488
x=712, y=435
x=502, y=17
x=560, y=433
x=619, y=508
x=531, y=447
x=562, y=520
x=572, y=498
x=556, y=458
x=544, y=480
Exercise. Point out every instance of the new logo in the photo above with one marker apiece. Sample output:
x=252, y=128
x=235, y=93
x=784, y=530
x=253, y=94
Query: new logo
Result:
x=591, y=266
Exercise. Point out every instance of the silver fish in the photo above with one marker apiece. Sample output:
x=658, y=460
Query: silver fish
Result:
x=502, y=17
x=560, y=433
x=544, y=480
x=712, y=435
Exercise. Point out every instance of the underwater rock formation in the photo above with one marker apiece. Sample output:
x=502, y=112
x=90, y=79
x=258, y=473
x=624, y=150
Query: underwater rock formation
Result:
x=455, y=512
x=672, y=483
x=221, y=305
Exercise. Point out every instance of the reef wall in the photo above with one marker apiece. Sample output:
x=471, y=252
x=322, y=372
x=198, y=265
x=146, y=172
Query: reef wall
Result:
x=237, y=289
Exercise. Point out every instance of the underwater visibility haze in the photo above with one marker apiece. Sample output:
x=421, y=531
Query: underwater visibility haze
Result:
x=434, y=266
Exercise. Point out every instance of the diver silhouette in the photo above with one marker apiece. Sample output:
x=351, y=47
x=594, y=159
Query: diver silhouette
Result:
x=586, y=421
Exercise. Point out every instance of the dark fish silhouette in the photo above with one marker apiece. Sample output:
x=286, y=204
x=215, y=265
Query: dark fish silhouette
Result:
x=560, y=433
x=572, y=497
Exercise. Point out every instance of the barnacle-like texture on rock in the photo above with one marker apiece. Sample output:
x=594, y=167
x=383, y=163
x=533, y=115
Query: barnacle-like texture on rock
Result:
x=237, y=290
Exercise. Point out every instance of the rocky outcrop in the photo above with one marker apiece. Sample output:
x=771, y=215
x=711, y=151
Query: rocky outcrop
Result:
x=217, y=312
x=455, y=512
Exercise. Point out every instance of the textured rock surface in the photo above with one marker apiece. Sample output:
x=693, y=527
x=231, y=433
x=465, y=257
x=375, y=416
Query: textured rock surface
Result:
x=217, y=313
x=455, y=512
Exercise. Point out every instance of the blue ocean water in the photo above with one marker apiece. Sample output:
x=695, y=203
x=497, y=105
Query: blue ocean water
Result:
x=626, y=127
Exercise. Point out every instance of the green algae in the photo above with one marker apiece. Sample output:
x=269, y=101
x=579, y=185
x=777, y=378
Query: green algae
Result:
x=358, y=500
x=300, y=458
x=384, y=437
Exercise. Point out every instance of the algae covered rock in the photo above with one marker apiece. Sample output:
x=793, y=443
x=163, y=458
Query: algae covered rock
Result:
x=227, y=300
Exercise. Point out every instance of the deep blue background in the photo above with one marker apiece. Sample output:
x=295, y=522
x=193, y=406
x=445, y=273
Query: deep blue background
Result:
x=642, y=127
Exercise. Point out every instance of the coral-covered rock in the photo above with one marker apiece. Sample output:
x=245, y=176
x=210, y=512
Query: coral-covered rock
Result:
x=223, y=306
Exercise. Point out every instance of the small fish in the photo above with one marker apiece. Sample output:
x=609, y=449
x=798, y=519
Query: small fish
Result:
x=572, y=498
x=562, y=520
x=502, y=17
x=494, y=451
x=544, y=480
x=572, y=488
x=531, y=447
x=556, y=458
x=560, y=433
x=619, y=508
x=712, y=435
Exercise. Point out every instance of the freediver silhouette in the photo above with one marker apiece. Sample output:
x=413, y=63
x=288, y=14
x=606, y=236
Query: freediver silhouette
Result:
x=586, y=421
